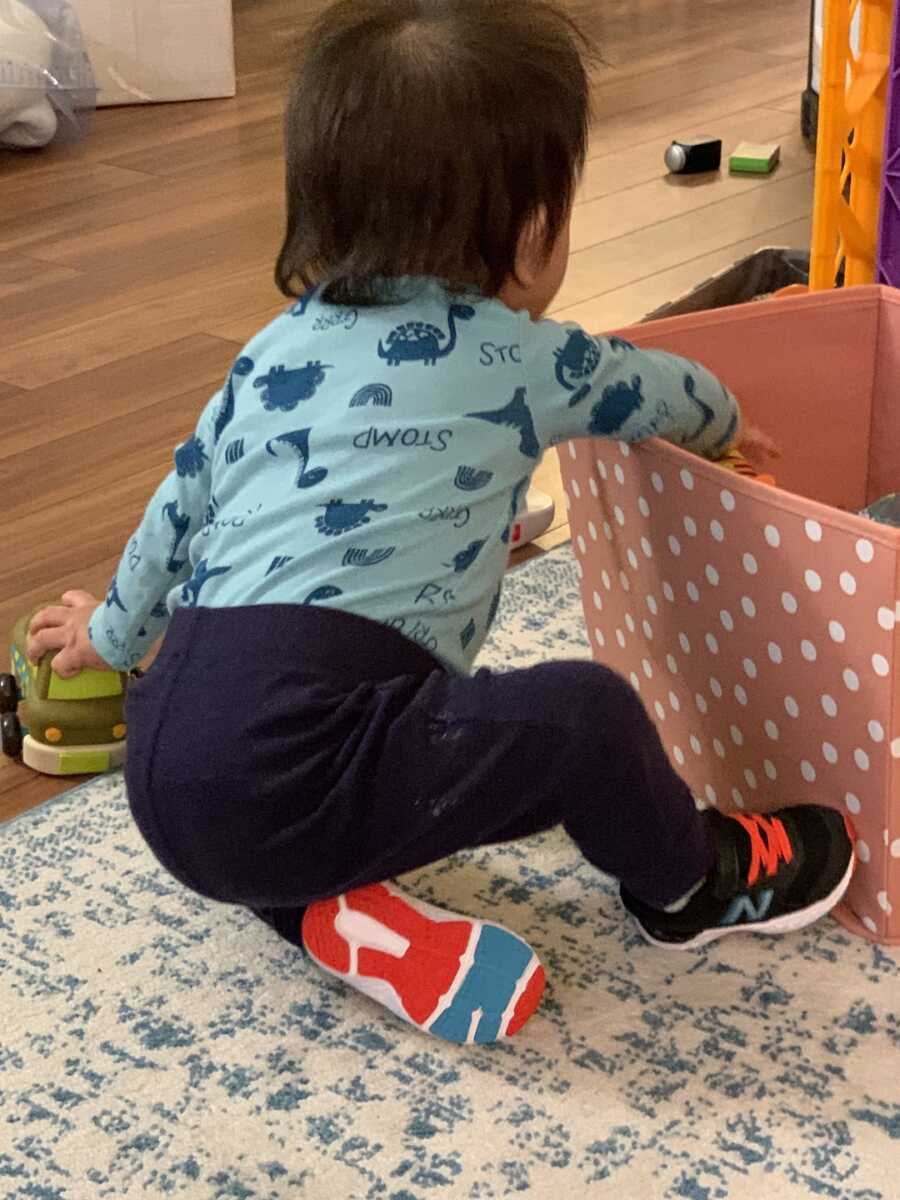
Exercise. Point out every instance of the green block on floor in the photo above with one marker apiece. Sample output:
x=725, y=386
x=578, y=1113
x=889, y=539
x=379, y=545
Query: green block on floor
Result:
x=751, y=158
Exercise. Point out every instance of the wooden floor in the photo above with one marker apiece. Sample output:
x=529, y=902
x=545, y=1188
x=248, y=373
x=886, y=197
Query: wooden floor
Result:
x=133, y=265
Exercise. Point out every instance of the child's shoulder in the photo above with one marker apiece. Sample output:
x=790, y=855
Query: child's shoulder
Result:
x=419, y=320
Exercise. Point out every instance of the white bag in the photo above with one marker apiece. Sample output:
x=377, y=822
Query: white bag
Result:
x=27, y=117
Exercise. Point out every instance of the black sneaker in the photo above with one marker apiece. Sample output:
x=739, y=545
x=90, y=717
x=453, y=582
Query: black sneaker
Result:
x=774, y=873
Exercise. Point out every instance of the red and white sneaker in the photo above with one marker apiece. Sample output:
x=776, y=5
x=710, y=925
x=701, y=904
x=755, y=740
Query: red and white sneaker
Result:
x=461, y=979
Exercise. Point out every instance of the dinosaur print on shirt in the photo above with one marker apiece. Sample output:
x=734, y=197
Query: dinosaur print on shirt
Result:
x=419, y=341
x=282, y=390
x=515, y=415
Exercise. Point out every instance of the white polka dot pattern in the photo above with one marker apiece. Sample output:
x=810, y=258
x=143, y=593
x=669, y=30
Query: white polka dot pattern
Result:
x=763, y=644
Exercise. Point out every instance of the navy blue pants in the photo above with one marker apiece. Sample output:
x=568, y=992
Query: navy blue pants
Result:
x=282, y=754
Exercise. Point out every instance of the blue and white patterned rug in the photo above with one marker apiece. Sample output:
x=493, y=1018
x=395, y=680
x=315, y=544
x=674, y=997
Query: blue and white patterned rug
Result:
x=155, y=1045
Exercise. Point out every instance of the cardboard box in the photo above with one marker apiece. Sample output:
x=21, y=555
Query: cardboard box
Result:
x=768, y=270
x=146, y=51
x=761, y=624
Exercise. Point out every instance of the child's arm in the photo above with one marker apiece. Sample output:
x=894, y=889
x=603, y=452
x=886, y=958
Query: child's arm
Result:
x=123, y=627
x=134, y=613
x=581, y=385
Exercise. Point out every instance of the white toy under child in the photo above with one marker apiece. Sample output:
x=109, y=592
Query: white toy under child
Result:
x=534, y=517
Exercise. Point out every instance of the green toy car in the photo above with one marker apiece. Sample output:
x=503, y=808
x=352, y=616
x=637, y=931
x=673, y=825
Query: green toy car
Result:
x=61, y=726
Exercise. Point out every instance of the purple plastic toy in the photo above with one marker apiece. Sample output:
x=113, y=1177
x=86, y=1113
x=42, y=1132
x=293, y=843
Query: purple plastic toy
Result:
x=887, y=263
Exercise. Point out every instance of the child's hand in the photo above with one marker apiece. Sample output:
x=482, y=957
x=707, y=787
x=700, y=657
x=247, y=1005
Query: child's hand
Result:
x=65, y=628
x=757, y=447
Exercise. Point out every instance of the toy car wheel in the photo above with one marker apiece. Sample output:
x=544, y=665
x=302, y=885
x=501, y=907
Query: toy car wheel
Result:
x=9, y=694
x=11, y=735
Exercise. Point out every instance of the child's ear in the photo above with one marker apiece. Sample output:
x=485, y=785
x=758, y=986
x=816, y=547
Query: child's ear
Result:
x=531, y=252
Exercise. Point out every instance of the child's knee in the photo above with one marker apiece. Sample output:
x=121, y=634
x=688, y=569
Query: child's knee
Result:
x=604, y=715
x=593, y=696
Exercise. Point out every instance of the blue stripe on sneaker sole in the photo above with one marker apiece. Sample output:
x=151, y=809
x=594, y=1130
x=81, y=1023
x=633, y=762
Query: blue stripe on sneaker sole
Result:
x=491, y=981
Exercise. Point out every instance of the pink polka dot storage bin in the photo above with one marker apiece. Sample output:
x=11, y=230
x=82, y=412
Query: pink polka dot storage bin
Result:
x=761, y=625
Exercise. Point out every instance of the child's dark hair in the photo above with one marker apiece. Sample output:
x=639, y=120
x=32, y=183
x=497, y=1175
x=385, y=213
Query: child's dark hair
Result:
x=423, y=136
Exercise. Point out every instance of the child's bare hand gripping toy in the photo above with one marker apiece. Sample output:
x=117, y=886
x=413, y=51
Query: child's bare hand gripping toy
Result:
x=62, y=707
x=65, y=629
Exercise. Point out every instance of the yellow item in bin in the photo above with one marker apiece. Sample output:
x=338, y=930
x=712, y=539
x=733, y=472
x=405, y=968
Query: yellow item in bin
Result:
x=735, y=461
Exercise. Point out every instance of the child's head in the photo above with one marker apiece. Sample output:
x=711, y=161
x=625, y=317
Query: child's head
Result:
x=435, y=137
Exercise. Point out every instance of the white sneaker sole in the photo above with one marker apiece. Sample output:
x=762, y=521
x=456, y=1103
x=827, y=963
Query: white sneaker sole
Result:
x=788, y=923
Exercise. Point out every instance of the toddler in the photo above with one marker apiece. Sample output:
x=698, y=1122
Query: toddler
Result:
x=327, y=555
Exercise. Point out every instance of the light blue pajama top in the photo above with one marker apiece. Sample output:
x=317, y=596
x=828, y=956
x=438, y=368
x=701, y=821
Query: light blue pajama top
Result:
x=372, y=459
